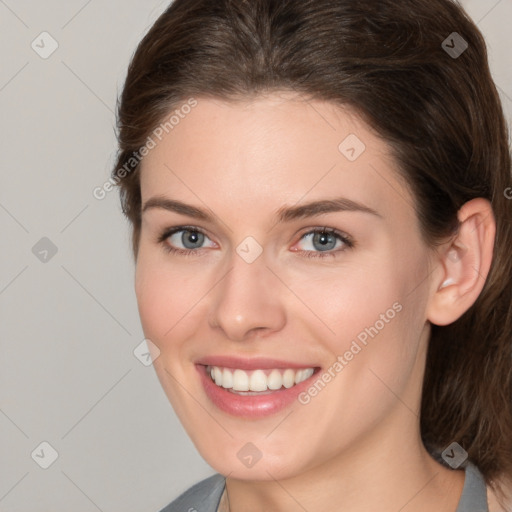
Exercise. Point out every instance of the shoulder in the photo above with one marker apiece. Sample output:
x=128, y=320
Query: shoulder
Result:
x=201, y=497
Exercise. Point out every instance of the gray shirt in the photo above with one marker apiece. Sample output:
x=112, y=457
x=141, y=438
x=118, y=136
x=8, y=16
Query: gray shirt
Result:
x=205, y=495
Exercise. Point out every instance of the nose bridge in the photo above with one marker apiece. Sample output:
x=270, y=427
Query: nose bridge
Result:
x=247, y=298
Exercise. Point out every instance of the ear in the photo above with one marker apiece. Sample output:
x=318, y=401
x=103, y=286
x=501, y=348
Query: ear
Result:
x=463, y=264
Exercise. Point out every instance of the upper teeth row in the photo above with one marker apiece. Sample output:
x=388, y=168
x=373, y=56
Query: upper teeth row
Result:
x=240, y=380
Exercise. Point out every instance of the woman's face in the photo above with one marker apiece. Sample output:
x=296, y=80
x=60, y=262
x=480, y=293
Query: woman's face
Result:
x=254, y=287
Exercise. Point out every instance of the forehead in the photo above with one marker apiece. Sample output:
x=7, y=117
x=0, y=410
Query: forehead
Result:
x=271, y=150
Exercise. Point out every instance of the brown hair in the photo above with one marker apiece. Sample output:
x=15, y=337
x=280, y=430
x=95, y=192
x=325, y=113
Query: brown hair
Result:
x=440, y=114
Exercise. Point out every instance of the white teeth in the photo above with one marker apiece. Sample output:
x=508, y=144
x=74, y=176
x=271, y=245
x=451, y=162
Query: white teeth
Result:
x=303, y=375
x=217, y=375
x=275, y=380
x=240, y=381
x=227, y=379
x=258, y=380
x=288, y=378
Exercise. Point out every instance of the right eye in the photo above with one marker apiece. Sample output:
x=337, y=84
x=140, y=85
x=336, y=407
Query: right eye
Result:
x=183, y=240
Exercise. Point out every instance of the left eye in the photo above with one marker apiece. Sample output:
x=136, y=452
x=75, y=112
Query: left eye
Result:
x=324, y=240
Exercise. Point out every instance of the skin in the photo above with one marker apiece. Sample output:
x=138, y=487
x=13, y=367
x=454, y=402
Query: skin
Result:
x=355, y=446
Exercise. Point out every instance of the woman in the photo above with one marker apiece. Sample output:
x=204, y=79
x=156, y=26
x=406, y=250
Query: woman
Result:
x=321, y=228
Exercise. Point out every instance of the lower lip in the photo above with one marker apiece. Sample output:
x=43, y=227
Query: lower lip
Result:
x=253, y=406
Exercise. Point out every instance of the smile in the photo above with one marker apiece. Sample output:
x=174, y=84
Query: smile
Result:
x=262, y=387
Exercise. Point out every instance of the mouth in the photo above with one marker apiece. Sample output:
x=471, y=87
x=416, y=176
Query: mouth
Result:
x=252, y=391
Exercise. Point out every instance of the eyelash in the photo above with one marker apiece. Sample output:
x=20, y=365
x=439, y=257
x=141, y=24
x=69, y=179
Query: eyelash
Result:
x=347, y=241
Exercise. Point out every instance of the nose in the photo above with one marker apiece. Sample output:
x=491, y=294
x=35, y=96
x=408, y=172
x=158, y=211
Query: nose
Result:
x=247, y=301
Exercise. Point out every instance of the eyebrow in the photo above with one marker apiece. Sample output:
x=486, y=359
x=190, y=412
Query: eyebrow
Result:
x=284, y=214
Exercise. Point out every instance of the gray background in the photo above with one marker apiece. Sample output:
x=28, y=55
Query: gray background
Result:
x=68, y=321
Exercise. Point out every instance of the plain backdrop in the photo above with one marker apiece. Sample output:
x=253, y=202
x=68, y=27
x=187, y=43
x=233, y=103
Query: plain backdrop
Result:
x=73, y=394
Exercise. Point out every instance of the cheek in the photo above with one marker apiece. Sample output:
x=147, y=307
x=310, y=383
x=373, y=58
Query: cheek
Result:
x=347, y=301
x=373, y=359
x=369, y=320
x=164, y=296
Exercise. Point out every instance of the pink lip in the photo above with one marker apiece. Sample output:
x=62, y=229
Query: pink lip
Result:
x=252, y=406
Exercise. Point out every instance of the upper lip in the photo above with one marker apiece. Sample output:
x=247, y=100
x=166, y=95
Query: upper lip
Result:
x=254, y=363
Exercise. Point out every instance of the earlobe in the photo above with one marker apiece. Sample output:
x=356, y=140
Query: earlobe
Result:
x=464, y=264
